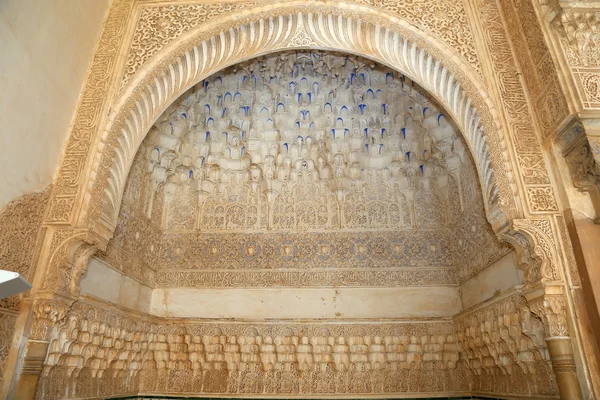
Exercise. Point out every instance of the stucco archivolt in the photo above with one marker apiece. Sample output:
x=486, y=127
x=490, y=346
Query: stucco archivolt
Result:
x=150, y=93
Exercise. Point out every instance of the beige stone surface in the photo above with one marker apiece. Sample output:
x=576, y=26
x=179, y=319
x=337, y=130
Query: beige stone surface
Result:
x=103, y=282
x=303, y=303
x=498, y=277
x=45, y=58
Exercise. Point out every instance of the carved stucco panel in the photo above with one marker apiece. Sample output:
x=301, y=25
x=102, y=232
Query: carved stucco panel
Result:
x=88, y=114
x=536, y=64
x=578, y=33
x=7, y=329
x=20, y=233
x=498, y=348
x=540, y=234
x=159, y=25
x=568, y=251
x=534, y=174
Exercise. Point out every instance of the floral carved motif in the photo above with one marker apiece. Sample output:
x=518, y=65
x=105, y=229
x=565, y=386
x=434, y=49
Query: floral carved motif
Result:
x=539, y=233
x=301, y=38
x=160, y=25
x=552, y=310
x=541, y=199
x=445, y=19
x=21, y=227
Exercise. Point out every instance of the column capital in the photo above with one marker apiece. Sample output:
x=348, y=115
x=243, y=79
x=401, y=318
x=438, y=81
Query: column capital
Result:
x=548, y=303
x=47, y=312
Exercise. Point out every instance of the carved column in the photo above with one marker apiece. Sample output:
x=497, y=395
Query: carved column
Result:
x=549, y=305
x=592, y=131
x=46, y=313
x=580, y=173
x=62, y=261
x=539, y=255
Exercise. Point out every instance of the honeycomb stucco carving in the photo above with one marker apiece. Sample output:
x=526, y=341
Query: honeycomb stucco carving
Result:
x=503, y=344
x=577, y=31
x=296, y=358
x=112, y=198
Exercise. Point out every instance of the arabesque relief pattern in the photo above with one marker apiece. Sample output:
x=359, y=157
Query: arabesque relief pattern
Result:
x=97, y=352
x=21, y=222
x=7, y=329
x=158, y=25
x=539, y=192
x=536, y=65
x=578, y=33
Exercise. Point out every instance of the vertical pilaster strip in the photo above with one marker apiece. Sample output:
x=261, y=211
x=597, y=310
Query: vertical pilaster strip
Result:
x=549, y=305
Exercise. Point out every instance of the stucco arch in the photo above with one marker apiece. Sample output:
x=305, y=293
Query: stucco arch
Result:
x=251, y=33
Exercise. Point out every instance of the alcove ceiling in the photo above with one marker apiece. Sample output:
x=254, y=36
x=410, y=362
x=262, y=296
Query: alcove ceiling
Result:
x=303, y=168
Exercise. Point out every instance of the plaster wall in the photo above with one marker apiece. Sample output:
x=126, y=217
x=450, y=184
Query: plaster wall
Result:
x=106, y=283
x=103, y=282
x=498, y=277
x=46, y=48
x=362, y=303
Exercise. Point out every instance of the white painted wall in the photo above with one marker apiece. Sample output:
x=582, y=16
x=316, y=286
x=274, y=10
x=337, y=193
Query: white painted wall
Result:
x=46, y=47
x=498, y=277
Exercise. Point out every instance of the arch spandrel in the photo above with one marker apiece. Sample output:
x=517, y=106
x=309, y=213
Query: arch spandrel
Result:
x=209, y=48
